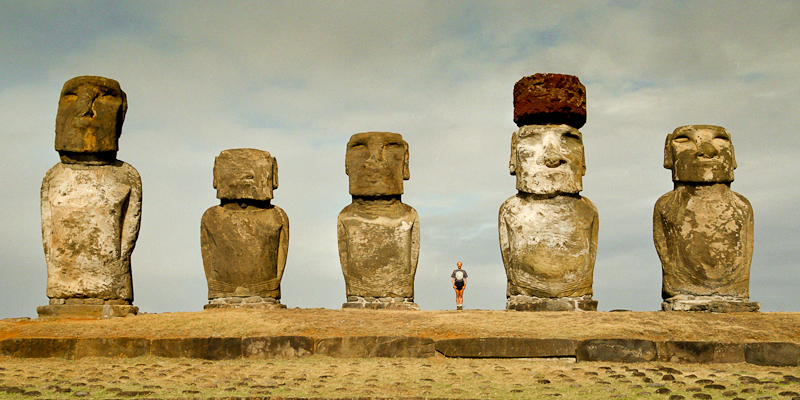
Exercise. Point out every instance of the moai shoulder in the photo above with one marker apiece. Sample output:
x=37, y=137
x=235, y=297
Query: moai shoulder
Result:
x=245, y=239
x=378, y=235
x=91, y=206
x=548, y=232
x=703, y=231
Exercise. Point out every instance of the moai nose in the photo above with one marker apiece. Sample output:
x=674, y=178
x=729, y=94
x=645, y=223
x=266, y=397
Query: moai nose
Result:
x=707, y=150
x=552, y=158
x=84, y=103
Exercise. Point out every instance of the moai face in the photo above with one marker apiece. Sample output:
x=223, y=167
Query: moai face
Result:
x=548, y=159
x=90, y=115
x=700, y=153
x=377, y=164
x=245, y=174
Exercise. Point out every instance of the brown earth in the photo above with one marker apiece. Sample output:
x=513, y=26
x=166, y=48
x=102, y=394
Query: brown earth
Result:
x=320, y=323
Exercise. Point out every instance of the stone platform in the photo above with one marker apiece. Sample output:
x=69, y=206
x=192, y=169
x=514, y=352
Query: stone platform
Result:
x=267, y=303
x=715, y=304
x=67, y=311
x=529, y=303
x=381, y=303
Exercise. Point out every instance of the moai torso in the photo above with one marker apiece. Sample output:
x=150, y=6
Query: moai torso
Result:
x=91, y=202
x=703, y=231
x=244, y=240
x=379, y=249
x=90, y=222
x=242, y=250
x=550, y=245
x=378, y=235
x=548, y=232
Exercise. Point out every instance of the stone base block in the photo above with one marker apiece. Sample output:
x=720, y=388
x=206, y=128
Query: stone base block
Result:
x=245, y=302
x=86, y=311
x=716, y=304
x=382, y=305
x=529, y=303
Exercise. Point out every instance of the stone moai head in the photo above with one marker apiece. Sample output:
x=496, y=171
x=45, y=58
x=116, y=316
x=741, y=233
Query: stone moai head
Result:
x=248, y=174
x=547, y=154
x=377, y=164
x=90, y=115
x=700, y=154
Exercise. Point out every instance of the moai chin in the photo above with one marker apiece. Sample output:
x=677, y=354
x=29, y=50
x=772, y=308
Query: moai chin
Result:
x=378, y=234
x=91, y=206
x=703, y=231
x=245, y=239
x=548, y=232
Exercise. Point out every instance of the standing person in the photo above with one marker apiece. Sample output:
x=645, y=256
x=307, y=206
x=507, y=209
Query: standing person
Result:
x=459, y=277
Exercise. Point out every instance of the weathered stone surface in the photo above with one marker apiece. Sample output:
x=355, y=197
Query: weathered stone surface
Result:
x=378, y=235
x=38, y=347
x=541, y=99
x=245, y=240
x=702, y=230
x=773, y=354
x=277, y=347
x=617, y=350
x=506, y=347
x=376, y=346
x=379, y=305
x=112, y=347
x=85, y=311
x=716, y=304
x=90, y=202
x=267, y=303
x=528, y=303
x=700, y=352
x=548, y=232
x=205, y=348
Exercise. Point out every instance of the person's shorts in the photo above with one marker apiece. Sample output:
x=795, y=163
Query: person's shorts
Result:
x=459, y=285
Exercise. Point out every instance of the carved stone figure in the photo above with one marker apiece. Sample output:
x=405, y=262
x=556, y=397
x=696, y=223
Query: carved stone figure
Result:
x=702, y=230
x=378, y=234
x=548, y=232
x=245, y=239
x=91, y=205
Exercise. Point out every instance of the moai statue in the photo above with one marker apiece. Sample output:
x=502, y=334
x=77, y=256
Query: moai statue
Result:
x=703, y=231
x=378, y=234
x=548, y=232
x=245, y=239
x=91, y=206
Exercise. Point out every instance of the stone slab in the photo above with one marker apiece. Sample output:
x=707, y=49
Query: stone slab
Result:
x=203, y=348
x=700, y=352
x=260, y=306
x=39, y=347
x=376, y=346
x=717, y=306
x=379, y=305
x=277, y=347
x=773, y=354
x=506, y=347
x=112, y=347
x=617, y=350
x=560, y=304
x=67, y=311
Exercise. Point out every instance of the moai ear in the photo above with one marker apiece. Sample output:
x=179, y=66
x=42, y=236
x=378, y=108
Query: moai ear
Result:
x=406, y=172
x=668, y=161
x=216, y=160
x=512, y=163
x=274, y=173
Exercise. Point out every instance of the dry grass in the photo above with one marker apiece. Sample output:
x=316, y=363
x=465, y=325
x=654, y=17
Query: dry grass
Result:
x=739, y=327
x=324, y=377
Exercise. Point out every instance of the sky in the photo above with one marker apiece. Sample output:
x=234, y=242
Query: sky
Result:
x=299, y=78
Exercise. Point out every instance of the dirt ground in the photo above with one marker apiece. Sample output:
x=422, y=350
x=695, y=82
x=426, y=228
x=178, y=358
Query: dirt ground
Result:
x=319, y=323
x=337, y=378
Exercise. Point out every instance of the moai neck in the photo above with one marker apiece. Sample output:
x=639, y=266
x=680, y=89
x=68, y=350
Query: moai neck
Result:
x=706, y=190
x=378, y=204
x=244, y=204
x=551, y=197
x=101, y=158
